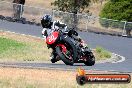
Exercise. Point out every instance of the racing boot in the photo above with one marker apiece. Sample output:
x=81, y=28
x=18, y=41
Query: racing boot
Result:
x=53, y=57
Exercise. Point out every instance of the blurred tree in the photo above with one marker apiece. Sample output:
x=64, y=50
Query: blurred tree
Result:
x=73, y=6
x=118, y=10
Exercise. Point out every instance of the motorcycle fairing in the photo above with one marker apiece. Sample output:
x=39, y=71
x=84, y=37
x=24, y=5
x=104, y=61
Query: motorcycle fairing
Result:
x=52, y=38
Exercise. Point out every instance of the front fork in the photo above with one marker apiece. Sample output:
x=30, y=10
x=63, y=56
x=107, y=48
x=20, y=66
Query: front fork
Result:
x=54, y=55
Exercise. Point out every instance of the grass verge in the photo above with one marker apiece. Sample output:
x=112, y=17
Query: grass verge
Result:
x=8, y=44
x=33, y=78
x=16, y=47
x=102, y=53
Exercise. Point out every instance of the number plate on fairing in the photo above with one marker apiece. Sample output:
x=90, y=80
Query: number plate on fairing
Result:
x=52, y=38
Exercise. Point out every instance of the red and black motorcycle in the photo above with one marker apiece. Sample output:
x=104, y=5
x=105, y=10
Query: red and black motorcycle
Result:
x=68, y=49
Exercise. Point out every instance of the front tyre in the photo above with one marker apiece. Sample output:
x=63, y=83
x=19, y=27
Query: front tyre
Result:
x=62, y=56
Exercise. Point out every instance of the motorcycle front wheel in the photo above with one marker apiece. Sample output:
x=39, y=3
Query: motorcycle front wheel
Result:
x=64, y=57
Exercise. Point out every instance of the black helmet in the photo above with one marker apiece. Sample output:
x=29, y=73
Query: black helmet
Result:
x=46, y=21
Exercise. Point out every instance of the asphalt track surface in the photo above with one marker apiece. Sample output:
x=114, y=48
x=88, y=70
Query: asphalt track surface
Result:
x=118, y=45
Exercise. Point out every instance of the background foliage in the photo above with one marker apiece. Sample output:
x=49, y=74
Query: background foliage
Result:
x=117, y=10
x=71, y=5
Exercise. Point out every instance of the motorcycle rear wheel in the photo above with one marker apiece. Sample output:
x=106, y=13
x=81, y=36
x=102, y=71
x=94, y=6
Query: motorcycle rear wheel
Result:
x=90, y=61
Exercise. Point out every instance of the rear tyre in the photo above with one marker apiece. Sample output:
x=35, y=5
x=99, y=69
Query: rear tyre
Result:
x=62, y=57
x=90, y=59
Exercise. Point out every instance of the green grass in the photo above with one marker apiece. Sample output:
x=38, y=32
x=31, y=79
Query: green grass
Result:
x=8, y=44
x=13, y=50
x=101, y=53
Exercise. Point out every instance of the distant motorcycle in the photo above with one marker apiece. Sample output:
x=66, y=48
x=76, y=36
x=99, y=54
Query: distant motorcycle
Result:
x=68, y=49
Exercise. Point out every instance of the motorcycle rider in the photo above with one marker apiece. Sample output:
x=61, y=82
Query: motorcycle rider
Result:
x=50, y=26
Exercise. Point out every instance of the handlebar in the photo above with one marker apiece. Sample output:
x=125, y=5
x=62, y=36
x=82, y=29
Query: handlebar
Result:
x=70, y=32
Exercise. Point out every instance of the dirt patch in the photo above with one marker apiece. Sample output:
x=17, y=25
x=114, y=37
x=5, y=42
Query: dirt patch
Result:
x=42, y=78
x=40, y=3
x=39, y=78
x=34, y=74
